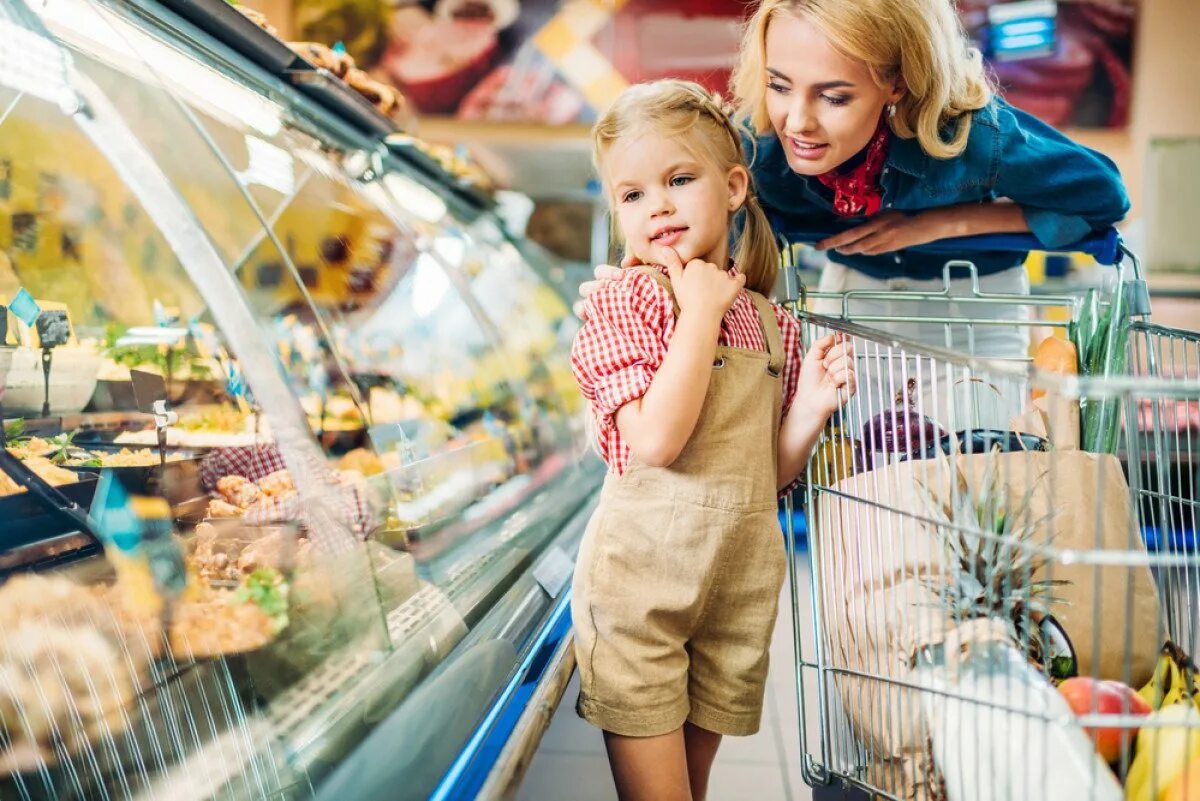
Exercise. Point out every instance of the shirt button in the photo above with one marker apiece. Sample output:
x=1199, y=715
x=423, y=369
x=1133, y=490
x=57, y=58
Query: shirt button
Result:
x=897, y=257
x=889, y=205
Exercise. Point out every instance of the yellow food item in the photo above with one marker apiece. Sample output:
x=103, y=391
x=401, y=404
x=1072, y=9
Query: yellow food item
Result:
x=1055, y=355
x=1168, y=742
x=1187, y=786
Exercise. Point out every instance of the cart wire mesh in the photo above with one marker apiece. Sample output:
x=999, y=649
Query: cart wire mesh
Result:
x=966, y=554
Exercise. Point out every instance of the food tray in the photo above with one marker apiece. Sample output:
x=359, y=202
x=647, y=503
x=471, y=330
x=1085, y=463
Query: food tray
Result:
x=225, y=23
x=427, y=165
x=333, y=93
x=24, y=519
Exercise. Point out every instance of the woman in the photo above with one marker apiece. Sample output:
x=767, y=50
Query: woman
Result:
x=876, y=120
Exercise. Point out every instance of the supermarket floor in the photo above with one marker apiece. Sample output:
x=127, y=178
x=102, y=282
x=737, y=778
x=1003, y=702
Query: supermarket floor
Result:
x=571, y=763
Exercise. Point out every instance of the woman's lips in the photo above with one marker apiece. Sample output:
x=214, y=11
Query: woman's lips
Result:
x=807, y=150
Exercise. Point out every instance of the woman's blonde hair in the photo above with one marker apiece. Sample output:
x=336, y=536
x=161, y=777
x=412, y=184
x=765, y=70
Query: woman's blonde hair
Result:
x=919, y=41
x=685, y=112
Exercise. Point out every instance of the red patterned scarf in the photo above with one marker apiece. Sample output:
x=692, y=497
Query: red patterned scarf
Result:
x=857, y=191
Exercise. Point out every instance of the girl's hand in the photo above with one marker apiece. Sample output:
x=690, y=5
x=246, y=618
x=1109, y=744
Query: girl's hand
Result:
x=701, y=287
x=889, y=231
x=604, y=274
x=827, y=379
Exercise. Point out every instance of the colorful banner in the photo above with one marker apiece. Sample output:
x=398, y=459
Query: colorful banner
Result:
x=553, y=62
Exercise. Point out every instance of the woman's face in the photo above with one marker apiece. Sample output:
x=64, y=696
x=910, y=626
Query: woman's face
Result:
x=823, y=106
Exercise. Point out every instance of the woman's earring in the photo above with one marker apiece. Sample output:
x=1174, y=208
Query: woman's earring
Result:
x=891, y=109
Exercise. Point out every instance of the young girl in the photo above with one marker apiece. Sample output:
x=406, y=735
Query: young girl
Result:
x=876, y=119
x=705, y=410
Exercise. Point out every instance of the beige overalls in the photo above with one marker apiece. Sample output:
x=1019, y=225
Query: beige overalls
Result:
x=678, y=578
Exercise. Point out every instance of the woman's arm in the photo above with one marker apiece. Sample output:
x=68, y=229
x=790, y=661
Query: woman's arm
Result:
x=1064, y=189
x=895, y=230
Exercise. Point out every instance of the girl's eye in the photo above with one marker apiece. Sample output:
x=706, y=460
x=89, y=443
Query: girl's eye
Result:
x=631, y=197
x=836, y=100
x=681, y=180
x=777, y=87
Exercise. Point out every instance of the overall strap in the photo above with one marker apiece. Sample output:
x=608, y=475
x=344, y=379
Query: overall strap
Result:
x=770, y=329
x=662, y=280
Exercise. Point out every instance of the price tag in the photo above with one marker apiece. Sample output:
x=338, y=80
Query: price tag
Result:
x=53, y=328
x=554, y=571
x=148, y=388
x=25, y=307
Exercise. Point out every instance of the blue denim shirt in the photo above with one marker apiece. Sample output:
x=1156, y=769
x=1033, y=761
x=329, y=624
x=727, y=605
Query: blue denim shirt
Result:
x=1065, y=190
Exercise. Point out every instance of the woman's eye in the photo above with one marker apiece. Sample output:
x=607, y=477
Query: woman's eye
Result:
x=631, y=197
x=681, y=180
x=777, y=87
x=836, y=100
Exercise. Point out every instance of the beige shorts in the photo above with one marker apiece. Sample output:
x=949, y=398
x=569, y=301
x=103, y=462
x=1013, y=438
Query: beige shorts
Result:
x=674, y=607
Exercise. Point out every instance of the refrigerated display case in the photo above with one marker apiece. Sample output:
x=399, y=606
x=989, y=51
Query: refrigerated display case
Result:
x=293, y=477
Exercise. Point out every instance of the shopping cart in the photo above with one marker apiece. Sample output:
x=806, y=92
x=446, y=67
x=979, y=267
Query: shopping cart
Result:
x=966, y=554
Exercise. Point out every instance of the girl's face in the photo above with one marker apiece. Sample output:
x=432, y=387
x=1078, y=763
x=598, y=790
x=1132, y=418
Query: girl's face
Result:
x=664, y=196
x=823, y=106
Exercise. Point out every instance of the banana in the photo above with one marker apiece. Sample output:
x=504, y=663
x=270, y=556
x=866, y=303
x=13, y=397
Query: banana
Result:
x=1169, y=740
x=1154, y=690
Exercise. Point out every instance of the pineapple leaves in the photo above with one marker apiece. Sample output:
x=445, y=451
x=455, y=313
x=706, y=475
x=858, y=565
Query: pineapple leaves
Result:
x=992, y=551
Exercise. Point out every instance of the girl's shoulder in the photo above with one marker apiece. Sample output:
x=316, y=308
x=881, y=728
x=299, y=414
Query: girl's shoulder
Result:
x=637, y=294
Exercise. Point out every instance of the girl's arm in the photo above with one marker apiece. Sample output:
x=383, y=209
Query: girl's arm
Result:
x=657, y=425
x=827, y=380
x=797, y=436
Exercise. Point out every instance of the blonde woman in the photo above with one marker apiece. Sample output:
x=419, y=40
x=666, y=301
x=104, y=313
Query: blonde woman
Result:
x=876, y=119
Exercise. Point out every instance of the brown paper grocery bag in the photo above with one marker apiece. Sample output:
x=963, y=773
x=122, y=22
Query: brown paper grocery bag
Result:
x=876, y=559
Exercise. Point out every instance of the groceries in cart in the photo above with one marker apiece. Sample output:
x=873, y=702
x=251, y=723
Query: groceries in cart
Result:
x=1007, y=594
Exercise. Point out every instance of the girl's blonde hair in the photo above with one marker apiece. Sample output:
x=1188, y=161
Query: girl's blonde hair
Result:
x=684, y=111
x=919, y=41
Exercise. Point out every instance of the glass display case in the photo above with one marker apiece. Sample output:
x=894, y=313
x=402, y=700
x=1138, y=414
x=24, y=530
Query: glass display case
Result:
x=293, y=473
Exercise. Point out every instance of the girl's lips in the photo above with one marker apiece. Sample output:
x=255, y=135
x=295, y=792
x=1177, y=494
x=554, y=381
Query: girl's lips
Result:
x=668, y=238
x=808, y=152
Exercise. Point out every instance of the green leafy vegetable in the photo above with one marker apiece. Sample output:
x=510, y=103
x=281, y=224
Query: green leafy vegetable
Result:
x=266, y=589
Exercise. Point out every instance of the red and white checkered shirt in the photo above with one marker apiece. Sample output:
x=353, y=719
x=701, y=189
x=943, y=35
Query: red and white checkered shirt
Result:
x=624, y=339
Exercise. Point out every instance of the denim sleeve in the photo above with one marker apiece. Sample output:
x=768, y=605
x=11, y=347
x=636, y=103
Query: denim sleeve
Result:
x=1065, y=189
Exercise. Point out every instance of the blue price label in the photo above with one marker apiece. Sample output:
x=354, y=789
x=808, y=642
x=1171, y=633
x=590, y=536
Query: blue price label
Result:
x=25, y=307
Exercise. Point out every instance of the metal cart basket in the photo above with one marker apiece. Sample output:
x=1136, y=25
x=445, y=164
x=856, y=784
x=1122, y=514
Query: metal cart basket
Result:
x=981, y=530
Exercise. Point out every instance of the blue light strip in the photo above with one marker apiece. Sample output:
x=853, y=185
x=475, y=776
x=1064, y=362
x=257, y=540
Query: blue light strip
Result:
x=470, y=770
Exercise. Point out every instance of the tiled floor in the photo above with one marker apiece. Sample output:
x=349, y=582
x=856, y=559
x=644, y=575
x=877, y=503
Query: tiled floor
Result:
x=571, y=764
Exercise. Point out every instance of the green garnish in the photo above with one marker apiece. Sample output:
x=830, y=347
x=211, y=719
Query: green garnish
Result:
x=266, y=589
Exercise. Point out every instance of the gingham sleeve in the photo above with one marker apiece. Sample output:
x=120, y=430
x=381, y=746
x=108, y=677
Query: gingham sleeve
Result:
x=622, y=344
x=789, y=332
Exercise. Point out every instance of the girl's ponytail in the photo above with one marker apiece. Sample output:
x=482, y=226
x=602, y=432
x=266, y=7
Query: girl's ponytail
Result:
x=757, y=253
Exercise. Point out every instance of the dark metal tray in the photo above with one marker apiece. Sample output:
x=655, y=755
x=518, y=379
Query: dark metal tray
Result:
x=25, y=520
x=226, y=23
x=333, y=93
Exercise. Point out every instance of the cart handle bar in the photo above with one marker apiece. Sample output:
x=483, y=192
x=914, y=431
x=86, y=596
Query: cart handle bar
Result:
x=1104, y=246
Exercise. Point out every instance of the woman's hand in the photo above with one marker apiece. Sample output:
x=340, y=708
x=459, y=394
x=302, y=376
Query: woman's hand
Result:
x=603, y=275
x=827, y=379
x=889, y=231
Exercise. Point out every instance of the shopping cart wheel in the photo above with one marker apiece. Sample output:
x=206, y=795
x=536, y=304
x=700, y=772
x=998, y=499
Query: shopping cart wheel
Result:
x=839, y=793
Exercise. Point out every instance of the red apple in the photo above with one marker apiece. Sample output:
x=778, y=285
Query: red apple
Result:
x=1088, y=696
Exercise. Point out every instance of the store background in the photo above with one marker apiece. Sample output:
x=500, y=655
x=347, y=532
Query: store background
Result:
x=1120, y=80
